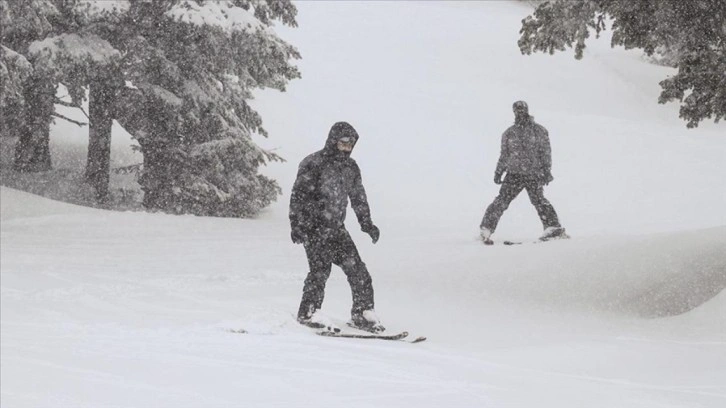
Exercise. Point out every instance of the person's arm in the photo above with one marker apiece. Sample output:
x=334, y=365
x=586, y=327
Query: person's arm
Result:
x=546, y=155
x=301, y=189
x=503, y=158
x=359, y=202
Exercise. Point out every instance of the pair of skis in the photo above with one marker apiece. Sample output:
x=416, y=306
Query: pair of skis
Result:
x=330, y=331
x=538, y=241
x=333, y=331
x=372, y=336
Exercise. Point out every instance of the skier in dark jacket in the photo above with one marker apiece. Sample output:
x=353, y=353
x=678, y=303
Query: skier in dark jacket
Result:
x=325, y=181
x=526, y=158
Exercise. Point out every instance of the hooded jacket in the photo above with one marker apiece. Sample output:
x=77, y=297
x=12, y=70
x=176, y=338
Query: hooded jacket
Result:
x=325, y=181
x=526, y=150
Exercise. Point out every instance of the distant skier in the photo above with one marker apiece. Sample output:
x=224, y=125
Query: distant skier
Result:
x=325, y=181
x=526, y=158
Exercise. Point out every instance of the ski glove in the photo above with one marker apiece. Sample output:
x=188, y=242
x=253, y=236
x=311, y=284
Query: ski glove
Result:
x=497, y=178
x=297, y=236
x=374, y=233
x=547, y=178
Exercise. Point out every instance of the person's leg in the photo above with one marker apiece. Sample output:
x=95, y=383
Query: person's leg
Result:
x=545, y=210
x=361, y=285
x=320, y=263
x=511, y=187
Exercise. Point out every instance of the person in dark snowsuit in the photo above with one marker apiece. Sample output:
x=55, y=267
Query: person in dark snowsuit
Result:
x=325, y=181
x=526, y=158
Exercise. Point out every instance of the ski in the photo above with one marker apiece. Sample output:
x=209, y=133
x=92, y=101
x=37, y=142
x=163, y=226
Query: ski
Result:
x=317, y=325
x=336, y=332
x=490, y=242
x=398, y=336
x=539, y=240
x=331, y=330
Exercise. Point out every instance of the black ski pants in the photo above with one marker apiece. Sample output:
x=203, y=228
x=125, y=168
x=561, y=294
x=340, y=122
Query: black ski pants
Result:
x=323, y=251
x=511, y=187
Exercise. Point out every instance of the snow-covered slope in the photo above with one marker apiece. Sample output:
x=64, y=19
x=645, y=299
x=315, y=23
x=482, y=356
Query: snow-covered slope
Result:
x=131, y=309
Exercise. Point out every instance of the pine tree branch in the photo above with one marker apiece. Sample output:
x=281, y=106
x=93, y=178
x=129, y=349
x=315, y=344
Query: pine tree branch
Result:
x=58, y=115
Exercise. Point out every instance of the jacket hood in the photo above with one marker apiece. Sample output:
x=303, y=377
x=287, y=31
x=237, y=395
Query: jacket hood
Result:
x=338, y=131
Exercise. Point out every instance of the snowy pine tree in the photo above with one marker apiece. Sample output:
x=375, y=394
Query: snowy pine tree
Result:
x=14, y=70
x=84, y=61
x=28, y=99
x=60, y=39
x=176, y=74
x=191, y=66
x=693, y=33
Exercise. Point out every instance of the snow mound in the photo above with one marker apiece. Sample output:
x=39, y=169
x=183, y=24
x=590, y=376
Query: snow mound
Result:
x=662, y=275
x=16, y=204
x=710, y=313
x=646, y=276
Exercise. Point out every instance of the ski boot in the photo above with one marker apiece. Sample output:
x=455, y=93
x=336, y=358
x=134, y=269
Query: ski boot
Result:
x=485, y=234
x=318, y=320
x=367, y=321
x=553, y=233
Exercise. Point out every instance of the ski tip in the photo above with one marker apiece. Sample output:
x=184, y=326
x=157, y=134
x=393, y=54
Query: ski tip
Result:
x=419, y=339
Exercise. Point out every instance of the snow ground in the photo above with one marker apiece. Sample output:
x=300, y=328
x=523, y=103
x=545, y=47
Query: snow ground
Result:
x=121, y=309
x=129, y=309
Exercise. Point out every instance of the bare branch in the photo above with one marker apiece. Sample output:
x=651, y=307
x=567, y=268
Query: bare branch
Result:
x=64, y=103
x=58, y=115
x=71, y=105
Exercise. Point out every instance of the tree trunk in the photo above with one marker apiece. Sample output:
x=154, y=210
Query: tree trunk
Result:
x=156, y=179
x=100, y=102
x=32, y=150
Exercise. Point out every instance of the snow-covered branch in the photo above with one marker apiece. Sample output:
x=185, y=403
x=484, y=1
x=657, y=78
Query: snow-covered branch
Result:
x=220, y=14
x=76, y=47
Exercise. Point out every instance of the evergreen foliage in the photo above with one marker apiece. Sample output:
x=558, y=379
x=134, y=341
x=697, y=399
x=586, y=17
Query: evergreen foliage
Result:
x=176, y=74
x=26, y=100
x=191, y=67
x=14, y=70
x=693, y=33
